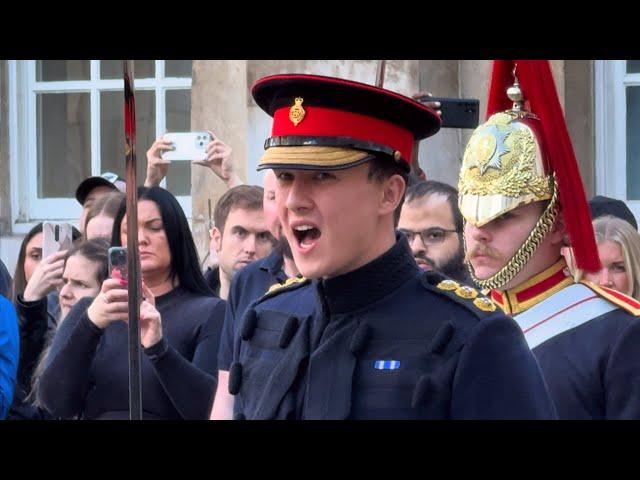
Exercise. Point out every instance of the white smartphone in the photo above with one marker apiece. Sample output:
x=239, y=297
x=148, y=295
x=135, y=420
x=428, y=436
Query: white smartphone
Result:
x=56, y=237
x=187, y=146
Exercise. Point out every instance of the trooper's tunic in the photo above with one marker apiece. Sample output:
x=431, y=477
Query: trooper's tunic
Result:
x=586, y=339
x=385, y=341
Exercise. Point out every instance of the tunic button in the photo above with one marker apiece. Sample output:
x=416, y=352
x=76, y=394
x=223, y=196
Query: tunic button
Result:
x=235, y=378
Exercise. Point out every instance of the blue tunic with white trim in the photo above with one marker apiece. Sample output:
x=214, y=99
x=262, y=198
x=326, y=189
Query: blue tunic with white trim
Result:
x=386, y=341
x=587, y=345
x=593, y=370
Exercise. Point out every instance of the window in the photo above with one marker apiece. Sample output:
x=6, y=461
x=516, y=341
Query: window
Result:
x=617, y=89
x=66, y=123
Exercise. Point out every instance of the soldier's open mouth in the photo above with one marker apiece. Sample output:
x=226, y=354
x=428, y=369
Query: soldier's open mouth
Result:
x=306, y=235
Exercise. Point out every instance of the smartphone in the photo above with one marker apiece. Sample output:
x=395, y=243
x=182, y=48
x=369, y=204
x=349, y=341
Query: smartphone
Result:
x=457, y=112
x=187, y=146
x=56, y=237
x=118, y=263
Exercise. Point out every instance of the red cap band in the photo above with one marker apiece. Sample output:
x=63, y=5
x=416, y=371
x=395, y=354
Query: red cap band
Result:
x=327, y=122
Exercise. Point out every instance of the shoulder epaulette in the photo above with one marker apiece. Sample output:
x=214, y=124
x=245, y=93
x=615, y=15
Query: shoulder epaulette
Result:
x=623, y=301
x=290, y=284
x=467, y=296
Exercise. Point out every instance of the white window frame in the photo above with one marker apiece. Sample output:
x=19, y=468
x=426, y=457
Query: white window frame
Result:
x=27, y=209
x=611, y=81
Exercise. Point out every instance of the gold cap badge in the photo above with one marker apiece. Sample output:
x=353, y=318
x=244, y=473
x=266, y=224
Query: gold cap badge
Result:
x=296, y=112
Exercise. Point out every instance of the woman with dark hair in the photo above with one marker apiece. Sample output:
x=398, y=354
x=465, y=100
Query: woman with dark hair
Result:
x=84, y=270
x=86, y=374
x=35, y=298
x=29, y=257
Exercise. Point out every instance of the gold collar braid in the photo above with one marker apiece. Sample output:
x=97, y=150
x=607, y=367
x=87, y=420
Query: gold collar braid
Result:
x=526, y=250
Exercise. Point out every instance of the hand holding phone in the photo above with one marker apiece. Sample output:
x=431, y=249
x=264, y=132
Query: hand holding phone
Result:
x=220, y=161
x=456, y=112
x=187, y=146
x=56, y=237
x=157, y=167
x=426, y=98
x=111, y=304
x=118, y=268
x=46, y=278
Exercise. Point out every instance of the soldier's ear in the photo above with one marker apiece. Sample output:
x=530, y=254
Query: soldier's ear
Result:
x=393, y=189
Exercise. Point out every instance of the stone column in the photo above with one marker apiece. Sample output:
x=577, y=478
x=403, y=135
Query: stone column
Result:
x=219, y=104
x=439, y=155
x=474, y=83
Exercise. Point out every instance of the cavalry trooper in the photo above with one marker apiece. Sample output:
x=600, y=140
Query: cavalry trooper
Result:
x=521, y=195
x=367, y=334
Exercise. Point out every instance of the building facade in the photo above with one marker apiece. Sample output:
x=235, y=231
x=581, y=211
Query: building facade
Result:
x=61, y=121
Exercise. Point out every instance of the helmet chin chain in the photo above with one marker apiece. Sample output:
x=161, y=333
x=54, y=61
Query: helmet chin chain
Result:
x=526, y=250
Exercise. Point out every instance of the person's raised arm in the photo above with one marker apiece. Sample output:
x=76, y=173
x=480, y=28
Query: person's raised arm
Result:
x=157, y=167
x=220, y=161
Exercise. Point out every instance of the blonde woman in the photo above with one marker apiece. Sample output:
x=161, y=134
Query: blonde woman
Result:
x=619, y=250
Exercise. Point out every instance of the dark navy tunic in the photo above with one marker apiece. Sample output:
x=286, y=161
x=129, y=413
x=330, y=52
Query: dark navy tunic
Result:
x=383, y=342
x=247, y=286
x=593, y=370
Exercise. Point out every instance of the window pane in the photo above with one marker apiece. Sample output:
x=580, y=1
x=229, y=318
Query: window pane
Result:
x=61, y=70
x=633, y=66
x=112, y=155
x=178, y=110
x=177, y=68
x=64, y=143
x=178, y=104
x=110, y=69
x=633, y=143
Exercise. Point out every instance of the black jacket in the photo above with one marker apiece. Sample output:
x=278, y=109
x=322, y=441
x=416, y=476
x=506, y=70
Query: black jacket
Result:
x=37, y=324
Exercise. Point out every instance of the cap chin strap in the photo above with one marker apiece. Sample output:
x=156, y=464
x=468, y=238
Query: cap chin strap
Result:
x=526, y=250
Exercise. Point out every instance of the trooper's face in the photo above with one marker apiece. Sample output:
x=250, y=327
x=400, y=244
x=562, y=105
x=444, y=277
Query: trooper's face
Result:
x=331, y=219
x=491, y=246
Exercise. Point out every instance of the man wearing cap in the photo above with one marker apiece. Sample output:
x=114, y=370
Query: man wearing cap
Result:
x=368, y=334
x=601, y=206
x=93, y=188
x=520, y=193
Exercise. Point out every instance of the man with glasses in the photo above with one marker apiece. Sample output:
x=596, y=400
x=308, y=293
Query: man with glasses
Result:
x=432, y=223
